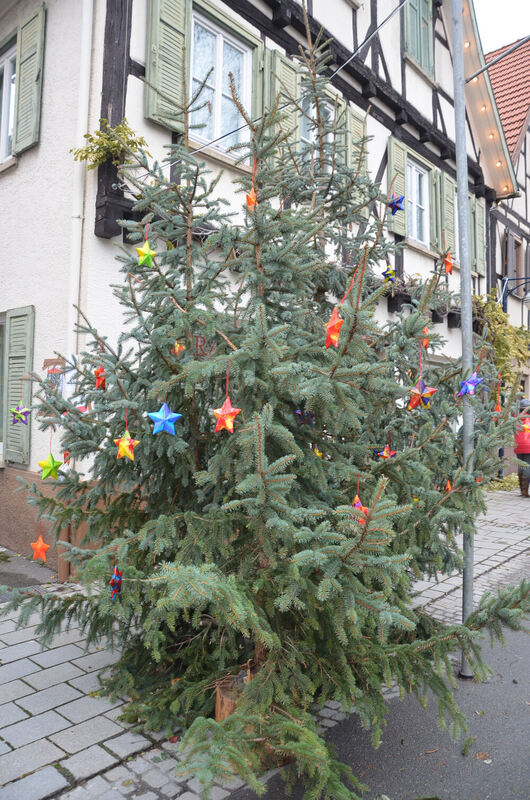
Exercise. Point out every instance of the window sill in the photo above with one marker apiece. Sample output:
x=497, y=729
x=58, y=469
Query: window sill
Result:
x=412, y=244
x=218, y=156
x=420, y=70
x=12, y=161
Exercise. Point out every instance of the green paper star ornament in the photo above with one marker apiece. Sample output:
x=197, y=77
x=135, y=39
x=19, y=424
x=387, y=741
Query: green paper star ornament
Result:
x=145, y=255
x=49, y=467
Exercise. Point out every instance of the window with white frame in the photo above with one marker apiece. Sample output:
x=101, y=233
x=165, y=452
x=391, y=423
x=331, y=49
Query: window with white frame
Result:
x=417, y=202
x=7, y=101
x=457, y=230
x=215, y=54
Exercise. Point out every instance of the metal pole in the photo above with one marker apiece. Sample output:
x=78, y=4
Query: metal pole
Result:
x=504, y=295
x=465, y=289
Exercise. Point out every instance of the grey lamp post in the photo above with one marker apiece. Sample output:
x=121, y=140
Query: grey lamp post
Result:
x=518, y=282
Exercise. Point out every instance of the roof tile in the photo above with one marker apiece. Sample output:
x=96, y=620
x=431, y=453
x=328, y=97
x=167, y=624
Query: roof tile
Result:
x=510, y=79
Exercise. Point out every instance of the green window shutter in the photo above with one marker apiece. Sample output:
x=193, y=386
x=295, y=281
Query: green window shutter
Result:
x=425, y=35
x=397, y=172
x=435, y=213
x=356, y=133
x=2, y=329
x=257, y=81
x=472, y=231
x=480, y=227
x=20, y=324
x=412, y=27
x=284, y=79
x=168, y=39
x=448, y=214
x=28, y=87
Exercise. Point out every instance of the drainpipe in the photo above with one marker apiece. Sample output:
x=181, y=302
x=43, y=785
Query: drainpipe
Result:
x=78, y=198
x=79, y=177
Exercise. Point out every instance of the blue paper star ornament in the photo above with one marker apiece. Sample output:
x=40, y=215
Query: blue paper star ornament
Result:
x=396, y=204
x=164, y=420
x=469, y=385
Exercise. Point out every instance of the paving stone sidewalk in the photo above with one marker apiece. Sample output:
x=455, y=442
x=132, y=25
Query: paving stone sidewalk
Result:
x=56, y=740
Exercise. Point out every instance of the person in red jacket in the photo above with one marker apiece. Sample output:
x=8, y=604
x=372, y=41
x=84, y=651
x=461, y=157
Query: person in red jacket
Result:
x=522, y=445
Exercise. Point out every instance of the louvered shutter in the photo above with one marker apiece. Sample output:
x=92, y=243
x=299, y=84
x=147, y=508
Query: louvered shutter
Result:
x=412, y=26
x=28, y=85
x=510, y=254
x=448, y=215
x=356, y=142
x=480, y=236
x=396, y=172
x=472, y=231
x=20, y=323
x=284, y=79
x=168, y=39
x=435, y=212
x=425, y=35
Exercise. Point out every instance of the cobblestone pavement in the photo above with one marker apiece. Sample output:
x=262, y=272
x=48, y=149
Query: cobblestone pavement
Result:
x=56, y=740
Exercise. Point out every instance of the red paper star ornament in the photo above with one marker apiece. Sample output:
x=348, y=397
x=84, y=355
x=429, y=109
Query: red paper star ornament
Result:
x=101, y=381
x=363, y=509
x=425, y=340
x=333, y=329
x=225, y=416
x=448, y=263
x=39, y=548
x=448, y=487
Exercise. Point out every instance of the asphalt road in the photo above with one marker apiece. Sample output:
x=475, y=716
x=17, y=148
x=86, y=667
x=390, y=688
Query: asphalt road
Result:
x=18, y=571
x=498, y=713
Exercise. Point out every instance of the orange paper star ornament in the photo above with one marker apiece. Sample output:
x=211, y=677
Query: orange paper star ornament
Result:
x=101, y=380
x=225, y=416
x=126, y=446
x=425, y=340
x=420, y=395
x=39, y=548
x=252, y=199
x=333, y=329
x=363, y=509
x=448, y=487
x=448, y=263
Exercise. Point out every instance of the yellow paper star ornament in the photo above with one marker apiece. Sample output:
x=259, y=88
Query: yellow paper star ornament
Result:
x=126, y=446
x=145, y=254
x=49, y=467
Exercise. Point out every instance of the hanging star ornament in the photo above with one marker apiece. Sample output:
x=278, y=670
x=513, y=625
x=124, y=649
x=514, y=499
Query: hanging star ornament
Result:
x=101, y=381
x=145, y=255
x=164, y=420
x=448, y=486
x=389, y=274
x=425, y=340
x=333, y=329
x=497, y=411
x=39, y=548
x=448, y=263
x=20, y=414
x=385, y=453
x=469, y=385
x=126, y=446
x=225, y=416
x=363, y=509
x=115, y=582
x=305, y=419
x=66, y=456
x=421, y=395
x=252, y=199
x=178, y=348
x=396, y=204
x=49, y=467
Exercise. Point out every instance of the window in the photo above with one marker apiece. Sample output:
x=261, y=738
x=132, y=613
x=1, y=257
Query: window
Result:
x=419, y=32
x=7, y=101
x=309, y=132
x=417, y=202
x=214, y=55
x=456, y=228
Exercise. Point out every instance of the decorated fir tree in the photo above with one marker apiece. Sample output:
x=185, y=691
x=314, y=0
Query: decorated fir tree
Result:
x=261, y=506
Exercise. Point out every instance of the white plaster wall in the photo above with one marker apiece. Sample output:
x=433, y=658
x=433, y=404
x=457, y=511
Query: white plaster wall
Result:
x=35, y=195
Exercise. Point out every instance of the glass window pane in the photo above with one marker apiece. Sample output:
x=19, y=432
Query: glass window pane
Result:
x=232, y=62
x=11, y=113
x=204, y=115
x=420, y=190
x=420, y=223
x=410, y=182
x=204, y=45
x=410, y=218
x=230, y=119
